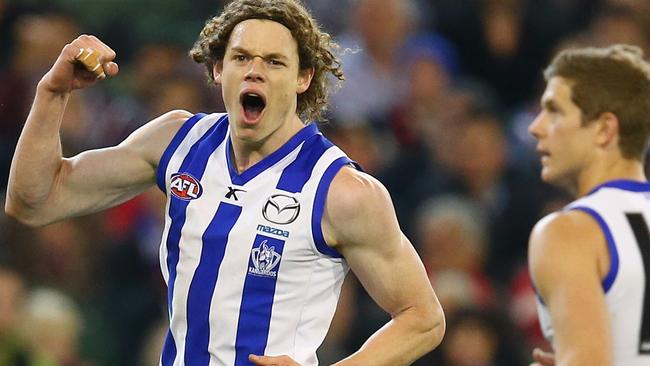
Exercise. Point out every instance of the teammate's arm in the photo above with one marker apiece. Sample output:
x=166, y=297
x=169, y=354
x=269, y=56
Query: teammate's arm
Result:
x=567, y=269
x=45, y=187
x=360, y=222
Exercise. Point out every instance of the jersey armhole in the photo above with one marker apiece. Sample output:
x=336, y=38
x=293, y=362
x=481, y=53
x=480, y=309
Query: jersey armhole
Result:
x=319, y=205
x=171, y=148
x=608, y=281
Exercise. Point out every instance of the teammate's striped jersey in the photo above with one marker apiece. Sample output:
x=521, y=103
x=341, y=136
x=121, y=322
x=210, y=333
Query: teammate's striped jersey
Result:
x=622, y=209
x=243, y=255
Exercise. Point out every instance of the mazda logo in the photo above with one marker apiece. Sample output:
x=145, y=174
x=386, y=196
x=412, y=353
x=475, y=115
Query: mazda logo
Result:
x=281, y=209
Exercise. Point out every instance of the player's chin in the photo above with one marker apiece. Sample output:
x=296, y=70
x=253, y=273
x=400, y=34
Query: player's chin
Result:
x=554, y=178
x=547, y=175
x=249, y=133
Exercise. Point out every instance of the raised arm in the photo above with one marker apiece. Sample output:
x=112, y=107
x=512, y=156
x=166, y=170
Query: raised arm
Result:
x=43, y=185
x=361, y=223
x=568, y=260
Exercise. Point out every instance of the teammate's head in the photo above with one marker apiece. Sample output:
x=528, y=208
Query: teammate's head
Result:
x=614, y=79
x=315, y=47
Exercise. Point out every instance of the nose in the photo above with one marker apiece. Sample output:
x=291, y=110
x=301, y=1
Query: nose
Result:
x=254, y=73
x=535, y=127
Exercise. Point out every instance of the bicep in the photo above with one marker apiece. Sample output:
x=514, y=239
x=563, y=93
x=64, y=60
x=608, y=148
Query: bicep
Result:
x=362, y=222
x=102, y=178
x=97, y=179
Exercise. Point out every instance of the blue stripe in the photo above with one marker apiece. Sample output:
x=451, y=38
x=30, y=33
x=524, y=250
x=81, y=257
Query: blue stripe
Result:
x=257, y=299
x=319, y=206
x=169, y=350
x=624, y=184
x=296, y=174
x=611, y=245
x=194, y=163
x=171, y=148
x=271, y=159
x=215, y=240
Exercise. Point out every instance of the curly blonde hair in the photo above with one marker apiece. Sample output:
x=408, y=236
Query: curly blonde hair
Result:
x=316, y=49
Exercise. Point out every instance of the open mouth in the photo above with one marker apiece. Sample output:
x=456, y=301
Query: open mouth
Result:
x=543, y=155
x=253, y=105
x=542, y=151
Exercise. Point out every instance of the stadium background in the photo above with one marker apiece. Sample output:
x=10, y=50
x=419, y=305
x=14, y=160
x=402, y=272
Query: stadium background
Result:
x=438, y=97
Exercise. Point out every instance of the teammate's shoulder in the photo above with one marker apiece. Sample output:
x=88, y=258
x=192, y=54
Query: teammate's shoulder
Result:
x=563, y=246
x=565, y=221
x=575, y=227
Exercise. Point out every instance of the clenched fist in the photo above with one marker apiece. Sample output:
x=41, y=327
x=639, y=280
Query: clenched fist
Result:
x=80, y=64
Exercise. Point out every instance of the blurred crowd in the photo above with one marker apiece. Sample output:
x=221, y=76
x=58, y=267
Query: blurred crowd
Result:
x=436, y=104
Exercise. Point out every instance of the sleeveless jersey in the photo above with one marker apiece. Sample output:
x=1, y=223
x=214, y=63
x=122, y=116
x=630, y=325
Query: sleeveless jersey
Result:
x=622, y=209
x=243, y=255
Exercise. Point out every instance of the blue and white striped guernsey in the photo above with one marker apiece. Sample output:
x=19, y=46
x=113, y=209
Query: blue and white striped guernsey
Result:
x=622, y=210
x=243, y=255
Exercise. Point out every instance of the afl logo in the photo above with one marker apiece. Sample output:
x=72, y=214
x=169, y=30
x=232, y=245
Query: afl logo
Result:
x=185, y=186
x=281, y=209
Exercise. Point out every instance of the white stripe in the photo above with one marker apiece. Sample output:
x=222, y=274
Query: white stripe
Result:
x=187, y=256
x=173, y=165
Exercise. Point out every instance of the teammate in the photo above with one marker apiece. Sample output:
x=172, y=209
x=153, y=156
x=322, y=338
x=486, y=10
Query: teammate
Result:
x=590, y=262
x=264, y=215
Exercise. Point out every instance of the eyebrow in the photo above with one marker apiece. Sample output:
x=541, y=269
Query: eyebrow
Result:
x=550, y=104
x=264, y=56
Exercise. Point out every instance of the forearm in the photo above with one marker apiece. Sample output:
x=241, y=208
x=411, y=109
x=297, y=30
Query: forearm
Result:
x=38, y=157
x=593, y=349
x=579, y=357
x=407, y=337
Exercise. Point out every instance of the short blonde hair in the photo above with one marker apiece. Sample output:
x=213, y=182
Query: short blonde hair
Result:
x=613, y=79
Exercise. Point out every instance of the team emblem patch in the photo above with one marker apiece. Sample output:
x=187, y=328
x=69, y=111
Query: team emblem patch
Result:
x=185, y=186
x=281, y=209
x=264, y=260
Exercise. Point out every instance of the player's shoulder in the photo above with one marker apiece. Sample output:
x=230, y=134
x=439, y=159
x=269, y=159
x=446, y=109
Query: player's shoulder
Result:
x=358, y=210
x=173, y=119
x=153, y=137
x=165, y=124
x=353, y=192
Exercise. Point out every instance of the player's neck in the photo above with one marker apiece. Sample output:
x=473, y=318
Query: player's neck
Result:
x=609, y=170
x=246, y=153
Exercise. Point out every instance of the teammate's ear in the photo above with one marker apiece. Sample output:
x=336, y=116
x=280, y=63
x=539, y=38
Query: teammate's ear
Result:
x=608, y=129
x=304, y=79
x=216, y=72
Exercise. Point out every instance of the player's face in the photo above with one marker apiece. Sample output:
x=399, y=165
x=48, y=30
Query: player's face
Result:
x=260, y=79
x=565, y=145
